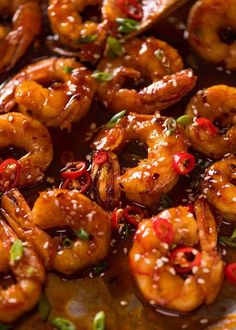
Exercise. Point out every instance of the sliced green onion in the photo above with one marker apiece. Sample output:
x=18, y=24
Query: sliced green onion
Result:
x=63, y=324
x=67, y=242
x=99, y=321
x=114, y=47
x=115, y=119
x=99, y=268
x=170, y=125
x=230, y=241
x=68, y=69
x=159, y=53
x=87, y=39
x=127, y=25
x=82, y=234
x=102, y=76
x=31, y=270
x=44, y=307
x=184, y=120
x=16, y=251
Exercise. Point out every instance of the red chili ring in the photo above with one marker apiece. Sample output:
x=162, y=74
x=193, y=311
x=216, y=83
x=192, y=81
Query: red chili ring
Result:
x=230, y=272
x=206, y=123
x=68, y=173
x=83, y=188
x=183, y=163
x=184, y=250
x=164, y=230
x=132, y=8
x=101, y=157
x=132, y=219
x=12, y=161
x=115, y=218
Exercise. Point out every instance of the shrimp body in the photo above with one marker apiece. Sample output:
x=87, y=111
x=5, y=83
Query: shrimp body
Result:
x=149, y=60
x=219, y=187
x=67, y=100
x=67, y=23
x=207, y=22
x=216, y=103
x=154, y=269
x=26, y=25
x=29, y=275
x=61, y=208
x=153, y=176
x=24, y=132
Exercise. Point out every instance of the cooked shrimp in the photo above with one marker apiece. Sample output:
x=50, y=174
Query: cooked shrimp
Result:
x=146, y=13
x=29, y=275
x=26, y=24
x=60, y=208
x=218, y=104
x=211, y=24
x=163, y=273
x=24, y=132
x=67, y=23
x=219, y=187
x=153, y=176
x=149, y=60
x=66, y=101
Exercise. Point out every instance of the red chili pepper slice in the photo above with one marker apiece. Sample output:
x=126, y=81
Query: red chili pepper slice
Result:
x=81, y=187
x=10, y=162
x=164, y=230
x=132, y=8
x=230, y=272
x=73, y=170
x=101, y=157
x=208, y=125
x=190, y=207
x=183, y=163
x=116, y=218
x=179, y=259
x=132, y=213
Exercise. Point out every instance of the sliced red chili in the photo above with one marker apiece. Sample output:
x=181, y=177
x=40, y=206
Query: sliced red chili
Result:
x=133, y=214
x=190, y=207
x=116, y=218
x=3, y=171
x=132, y=8
x=183, y=163
x=164, y=230
x=73, y=170
x=82, y=183
x=230, y=272
x=179, y=259
x=207, y=124
x=101, y=157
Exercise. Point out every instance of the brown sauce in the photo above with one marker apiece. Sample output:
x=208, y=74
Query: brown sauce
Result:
x=114, y=291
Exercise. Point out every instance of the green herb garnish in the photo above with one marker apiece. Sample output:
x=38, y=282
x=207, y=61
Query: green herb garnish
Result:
x=127, y=25
x=67, y=242
x=99, y=321
x=229, y=240
x=68, y=69
x=63, y=324
x=170, y=126
x=115, y=119
x=184, y=120
x=114, y=47
x=102, y=76
x=16, y=251
x=82, y=234
x=87, y=39
x=100, y=268
x=159, y=53
x=44, y=307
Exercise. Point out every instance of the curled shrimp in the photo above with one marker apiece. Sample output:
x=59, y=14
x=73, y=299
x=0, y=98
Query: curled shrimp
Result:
x=61, y=208
x=216, y=103
x=149, y=60
x=24, y=132
x=210, y=27
x=153, y=176
x=26, y=25
x=219, y=188
x=67, y=23
x=67, y=100
x=163, y=273
x=28, y=272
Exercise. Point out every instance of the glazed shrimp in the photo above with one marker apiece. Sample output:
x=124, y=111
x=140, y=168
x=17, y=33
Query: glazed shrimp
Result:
x=60, y=208
x=165, y=275
x=219, y=187
x=29, y=276
x=210, y=26
x=24, y=132
x=67, y=24
x=26, y=25
x=153, y=176
x=66, y=101
x=149, y=60
x=217, y=104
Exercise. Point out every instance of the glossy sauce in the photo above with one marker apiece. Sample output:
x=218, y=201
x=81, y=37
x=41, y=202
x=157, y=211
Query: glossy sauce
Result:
x=114, y=291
